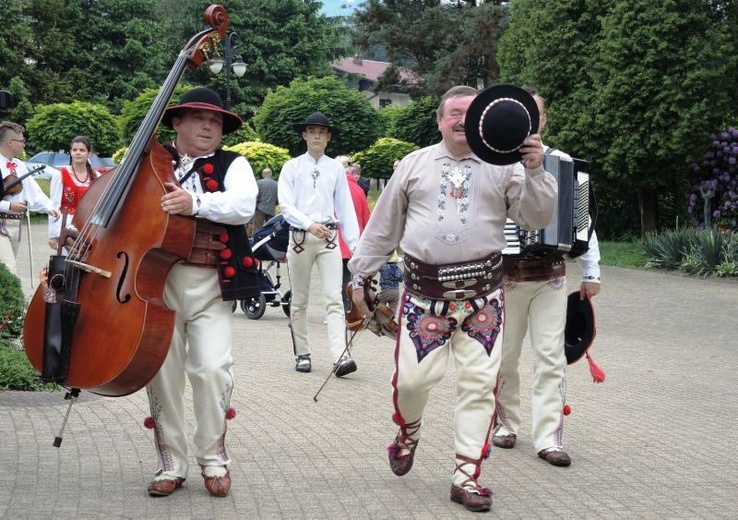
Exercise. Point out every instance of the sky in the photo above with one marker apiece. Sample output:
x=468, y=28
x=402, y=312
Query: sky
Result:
x=339, y=7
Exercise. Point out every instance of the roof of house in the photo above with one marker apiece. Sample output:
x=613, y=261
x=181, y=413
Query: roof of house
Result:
x=370, y=69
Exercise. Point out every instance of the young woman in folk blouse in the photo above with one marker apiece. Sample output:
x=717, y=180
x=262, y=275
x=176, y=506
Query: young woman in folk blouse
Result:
x=70, y=184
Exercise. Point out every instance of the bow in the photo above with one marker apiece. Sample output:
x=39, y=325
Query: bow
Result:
x=356, y=324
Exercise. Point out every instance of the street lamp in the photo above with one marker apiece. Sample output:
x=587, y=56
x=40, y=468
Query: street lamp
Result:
x=238, y=67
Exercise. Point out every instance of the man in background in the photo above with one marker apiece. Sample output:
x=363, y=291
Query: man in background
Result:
x=266, y=201
x=536, y=299
x=13, y=207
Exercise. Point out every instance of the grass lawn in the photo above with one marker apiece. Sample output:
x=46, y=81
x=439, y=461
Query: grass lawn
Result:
x=622, y=254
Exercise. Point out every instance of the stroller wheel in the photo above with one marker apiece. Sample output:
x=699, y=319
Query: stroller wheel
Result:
x=235, y=306
x=254, y=308
x=286, y=301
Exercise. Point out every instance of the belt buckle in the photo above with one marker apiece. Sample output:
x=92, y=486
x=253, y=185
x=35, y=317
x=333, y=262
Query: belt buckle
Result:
x=459, y=295
x=459, y=284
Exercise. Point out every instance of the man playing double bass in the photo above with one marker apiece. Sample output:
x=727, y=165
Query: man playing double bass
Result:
x=219, y=190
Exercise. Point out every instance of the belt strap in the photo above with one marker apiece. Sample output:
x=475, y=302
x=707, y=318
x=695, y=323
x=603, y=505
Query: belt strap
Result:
x=329, y=225
x=461, y=281
x=11, y=216
x=207, y=244
x=521, y=269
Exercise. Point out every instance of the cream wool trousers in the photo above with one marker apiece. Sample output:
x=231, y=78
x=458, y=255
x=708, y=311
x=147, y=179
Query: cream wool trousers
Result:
x=201, y=349
x=10, y=244
x=541, y=308
x=430, y=333
x=315, y=251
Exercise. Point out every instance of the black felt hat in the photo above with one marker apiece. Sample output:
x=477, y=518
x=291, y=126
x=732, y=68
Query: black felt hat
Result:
x=497, y=122
x=203, y=99
x=317, y=119
x=580, y=327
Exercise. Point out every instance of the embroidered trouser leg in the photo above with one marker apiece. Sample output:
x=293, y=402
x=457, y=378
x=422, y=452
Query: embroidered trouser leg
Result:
x=540, y=307
x=315, y=251
x=9, y=244
x=430, y=332
x=201, y=349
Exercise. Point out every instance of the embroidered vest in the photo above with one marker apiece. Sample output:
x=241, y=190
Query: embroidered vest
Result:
x=71, y=192
x=238, y=269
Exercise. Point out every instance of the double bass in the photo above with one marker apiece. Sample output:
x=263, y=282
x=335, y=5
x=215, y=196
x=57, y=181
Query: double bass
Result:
x=100, y=322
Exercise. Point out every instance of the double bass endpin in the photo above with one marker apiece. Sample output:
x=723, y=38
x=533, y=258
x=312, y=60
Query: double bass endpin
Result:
x=71, y=396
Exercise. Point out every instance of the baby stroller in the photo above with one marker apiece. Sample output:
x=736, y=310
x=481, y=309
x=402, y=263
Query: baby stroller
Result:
x=269, y=245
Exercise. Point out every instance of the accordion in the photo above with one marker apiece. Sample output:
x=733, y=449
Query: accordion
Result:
x=569, y=230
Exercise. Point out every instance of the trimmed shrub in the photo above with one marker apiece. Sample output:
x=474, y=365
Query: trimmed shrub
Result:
x=16, y=372
x=377, y=161
x=262, y=155
x=347, y=109
x=417, y=123
x=54, y=126
x=12, y=304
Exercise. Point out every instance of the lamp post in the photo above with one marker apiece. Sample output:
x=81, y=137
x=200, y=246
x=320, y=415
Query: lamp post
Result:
x=238, y=67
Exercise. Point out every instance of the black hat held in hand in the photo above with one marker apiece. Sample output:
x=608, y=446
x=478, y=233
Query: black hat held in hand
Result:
x=580, y=327
x=497, y=122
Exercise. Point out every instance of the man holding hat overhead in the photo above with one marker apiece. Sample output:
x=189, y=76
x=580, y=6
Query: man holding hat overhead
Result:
x=536, y=300
x=446, y=207
x=218, y=190
x=314, y=197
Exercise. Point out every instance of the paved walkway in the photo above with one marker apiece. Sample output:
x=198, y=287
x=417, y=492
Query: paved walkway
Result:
x=656, y=440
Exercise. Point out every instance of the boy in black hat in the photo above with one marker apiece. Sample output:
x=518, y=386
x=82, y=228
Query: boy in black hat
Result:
x=218, y=189
x=314, y=197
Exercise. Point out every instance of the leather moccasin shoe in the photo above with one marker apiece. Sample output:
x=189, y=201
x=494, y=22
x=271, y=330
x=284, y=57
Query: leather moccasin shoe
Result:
x=555, y=457
x=505, y=441
x=164, y=487
x=400, y=464
x=477, y=501
x=218, y=486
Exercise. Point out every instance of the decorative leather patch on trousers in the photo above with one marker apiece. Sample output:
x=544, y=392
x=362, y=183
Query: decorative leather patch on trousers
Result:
x=485, y=323
x=427, y=331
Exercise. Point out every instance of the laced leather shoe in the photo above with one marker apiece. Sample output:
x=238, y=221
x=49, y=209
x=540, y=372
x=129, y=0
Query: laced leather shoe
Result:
x=477, y=500
x=218, y=486
x=401, y=464
x=555, y=457
x=165, y=486
x=504, y=441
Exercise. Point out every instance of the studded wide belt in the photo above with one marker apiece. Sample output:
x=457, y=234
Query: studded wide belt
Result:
x=12, y=216
x=460, y=281
x=207, y=245
x=522, y=269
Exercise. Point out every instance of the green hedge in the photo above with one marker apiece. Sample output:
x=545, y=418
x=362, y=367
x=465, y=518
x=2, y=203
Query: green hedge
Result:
x=16, y=372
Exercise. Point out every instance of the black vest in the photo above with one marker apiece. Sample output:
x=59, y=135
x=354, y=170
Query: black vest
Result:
x=238, y=269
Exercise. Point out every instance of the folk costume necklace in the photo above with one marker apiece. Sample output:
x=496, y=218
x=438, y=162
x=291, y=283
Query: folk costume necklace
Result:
x=457, y=179
x=184, y=172
x=76, y=177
